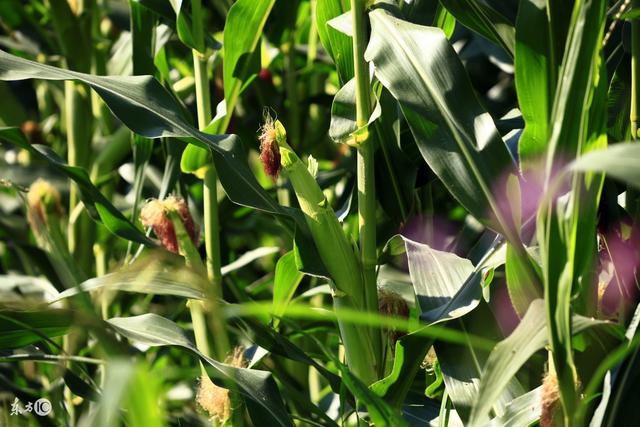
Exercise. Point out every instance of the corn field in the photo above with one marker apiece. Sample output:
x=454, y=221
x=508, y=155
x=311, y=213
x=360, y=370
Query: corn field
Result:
x=319, y=213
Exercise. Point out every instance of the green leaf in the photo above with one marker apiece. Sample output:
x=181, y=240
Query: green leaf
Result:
x=243, y=28
x=620, y=371
x=395, y=171
x=268, y=338
x=98, y=206
x=535, y=79
x=613, y=381
x=629, y=15
x=586, y=194
x=446, y=285
x=258, y=386
x=510, y=354
x=478, y=16
x=79, y=386
x=566, y=229
x=462, y=365
x=619, y=102
x=522, y=411
x=143, y=27
x=184, y=27
x=522, y=290
x=143, y=24
x=286, y=281
x=248, y=257
x=576, y=82
x=142, y=151
x=21, y=328
x=560, y=20
x=242, y=31
x=151, y=279
x=180, y=20
x=195, y=160
x=133, y=389
x=456, y=137
x=148, y=109
x=410, y=351
x=380, y=413
x=18, y=285
x=72, y=33
x=343, y=114
x=445, y=21
x=172, y=170
x=338, y=45
x=619, y=161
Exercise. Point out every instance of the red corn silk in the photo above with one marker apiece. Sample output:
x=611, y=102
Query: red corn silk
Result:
x=155, y=214
x=269, y=150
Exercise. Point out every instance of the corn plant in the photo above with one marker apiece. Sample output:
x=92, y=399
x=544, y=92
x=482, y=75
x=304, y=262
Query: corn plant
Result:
x=319, y=212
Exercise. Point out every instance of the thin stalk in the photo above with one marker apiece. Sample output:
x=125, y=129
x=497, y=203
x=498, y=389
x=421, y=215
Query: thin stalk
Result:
x=292, y=91
x=312, y=47
x=100, y=253
x=203, y=94
x=367, y=220
x=314, y=122
x=366, y=173
x=197, y=308
x=315, y=386
x=363, y=87
x=212, y=231
x=211, y=217
x=77, y=115
x=63, y=260
x=199, y=327
x=211, y=222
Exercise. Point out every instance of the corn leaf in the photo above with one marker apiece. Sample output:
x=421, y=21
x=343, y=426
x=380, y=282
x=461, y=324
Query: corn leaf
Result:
x=21, y=328
x=485, y=20
x=619, y=161
x=148, y=109
x=446, y=285
x=456, y=137
x=521, y=289
x=337, y=44
x=258, y=386
x=286, y=281
x=243, y=28
x=510, y=354
x=149, y=280
x=566, y=230
x=535, y=79
x=98, y=206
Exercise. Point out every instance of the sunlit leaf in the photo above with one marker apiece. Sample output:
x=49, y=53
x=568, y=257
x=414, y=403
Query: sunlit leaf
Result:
x=456, y=137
